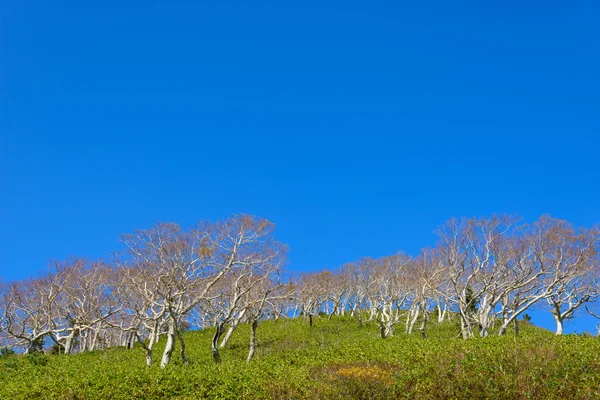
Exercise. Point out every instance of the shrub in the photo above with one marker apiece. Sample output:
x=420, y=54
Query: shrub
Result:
x=335, y=359
x=6, y=352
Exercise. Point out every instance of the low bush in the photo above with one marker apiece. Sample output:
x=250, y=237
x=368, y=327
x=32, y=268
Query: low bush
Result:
x=335, y=359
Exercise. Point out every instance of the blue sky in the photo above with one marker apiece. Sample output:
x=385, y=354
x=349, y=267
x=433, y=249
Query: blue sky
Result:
x=357, y=127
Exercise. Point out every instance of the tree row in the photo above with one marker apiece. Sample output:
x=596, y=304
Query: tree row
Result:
x=484, y=272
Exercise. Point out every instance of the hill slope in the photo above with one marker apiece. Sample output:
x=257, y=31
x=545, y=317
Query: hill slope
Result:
x=333, y=359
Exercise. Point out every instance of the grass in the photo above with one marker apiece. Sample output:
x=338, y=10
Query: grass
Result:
x=335, y=359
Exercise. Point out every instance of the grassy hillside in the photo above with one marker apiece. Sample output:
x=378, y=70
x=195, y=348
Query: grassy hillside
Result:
x=334, y=359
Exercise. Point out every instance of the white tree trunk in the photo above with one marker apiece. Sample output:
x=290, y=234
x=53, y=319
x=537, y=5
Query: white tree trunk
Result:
x=70, y=340
x=559, y=323
x=384, y=329
x=227, y=336
x=182, y=342
x=465, y=327
x=252, y=340
x=415, y=315
x=232, y=328
x=215, y=343
x=170, y=346
x=423, y=324
x=441, y=312
x=94, y=341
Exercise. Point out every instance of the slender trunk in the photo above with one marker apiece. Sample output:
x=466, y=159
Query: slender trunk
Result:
x=334, y=310
x=70, y=341
x=149, y=357
x=129, y=340
x=389, y=328
x=252, y=340
x=181, y=341
x=89, y=336
x=484, y=331
x=484, y=321
x=232, y=328
x=559, y=323
x=170, y=346
x=94, y=342
x=100, y=340
x=510, y=319
x=30, y=346
x=215, y=343
x=68, y=347
x=358, y=317
x=558, y=317
x=310, y=320
x=465, y=326
x=414, y=318
x=147, y=349
x=83, y=340
x=372, y=313
x=383, y=329
x=385, y=324
x=423, y=325
x=227, y=336
x=505, y=325
x=440, y=312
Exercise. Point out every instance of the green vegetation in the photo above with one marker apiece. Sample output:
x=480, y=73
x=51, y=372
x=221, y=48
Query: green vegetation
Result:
x=334, y=359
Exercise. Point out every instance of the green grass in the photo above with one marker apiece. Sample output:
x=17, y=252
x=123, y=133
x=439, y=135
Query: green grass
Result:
x=334, y=359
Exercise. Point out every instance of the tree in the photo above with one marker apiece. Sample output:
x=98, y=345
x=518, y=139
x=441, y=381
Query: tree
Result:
x=85, y=304
x=580, y=283
x=30, y=309
x=466, y=248
x=389, y=291
x=217, y=275
x=309, y=296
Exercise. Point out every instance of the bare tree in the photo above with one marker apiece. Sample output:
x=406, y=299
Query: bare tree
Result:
x=389, y=291
x=359, y=280
x=580, y=280
x=555, y=256
x=477, y=256
x=427, y=282
x=30, y=309
x=309, y=296
x=143, y=310
x=266, y=289
x=486, y=271
x=85, y=303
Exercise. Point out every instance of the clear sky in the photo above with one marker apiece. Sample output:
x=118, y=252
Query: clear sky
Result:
x=357, y=127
